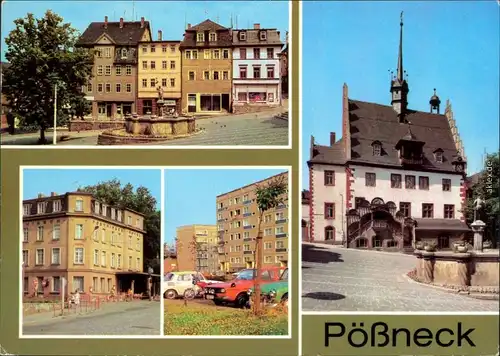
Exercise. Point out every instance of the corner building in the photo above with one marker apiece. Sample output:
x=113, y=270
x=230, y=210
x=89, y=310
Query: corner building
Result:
x=90, y=244
x=397, y=175
x=237, y=227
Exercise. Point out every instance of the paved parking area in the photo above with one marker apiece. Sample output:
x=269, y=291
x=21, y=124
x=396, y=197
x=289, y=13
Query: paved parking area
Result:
x=339, y=279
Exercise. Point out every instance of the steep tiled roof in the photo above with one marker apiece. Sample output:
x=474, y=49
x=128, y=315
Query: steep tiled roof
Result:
x=371, y=122
x=253, y=37
x=130, y=34
x=224, y=38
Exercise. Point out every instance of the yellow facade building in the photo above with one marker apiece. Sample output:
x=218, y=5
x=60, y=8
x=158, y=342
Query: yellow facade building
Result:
x=91, y=245
x=196, y=247
x=159, y=65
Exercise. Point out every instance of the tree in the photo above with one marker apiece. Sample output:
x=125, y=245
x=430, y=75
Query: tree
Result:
x=269, y=196
x=42, y=54
x=487, y=187
x=113, y=193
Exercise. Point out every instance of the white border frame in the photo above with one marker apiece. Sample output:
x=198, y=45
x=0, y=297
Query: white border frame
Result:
x=162, y=210
x=201, y=147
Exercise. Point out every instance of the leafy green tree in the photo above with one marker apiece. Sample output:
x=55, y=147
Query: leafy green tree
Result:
x=269, y=196
x=112, y=192
x=42, y=54
x=487, y=188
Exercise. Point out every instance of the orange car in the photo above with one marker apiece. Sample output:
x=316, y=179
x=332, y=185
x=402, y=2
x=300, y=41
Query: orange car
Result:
x=235, y=291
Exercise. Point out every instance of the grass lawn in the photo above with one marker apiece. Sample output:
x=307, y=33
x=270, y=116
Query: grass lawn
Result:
x=202, y=318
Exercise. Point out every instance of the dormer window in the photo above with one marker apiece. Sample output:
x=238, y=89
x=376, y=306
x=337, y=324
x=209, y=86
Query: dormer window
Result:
x=212, y=37
x=124, y=53
x=243, y=36
x=377, y=148
x=263, y=35
x=200, y=37
x=438, y=155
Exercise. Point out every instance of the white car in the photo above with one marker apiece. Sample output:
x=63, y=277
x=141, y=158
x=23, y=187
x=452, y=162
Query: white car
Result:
x=186, y=284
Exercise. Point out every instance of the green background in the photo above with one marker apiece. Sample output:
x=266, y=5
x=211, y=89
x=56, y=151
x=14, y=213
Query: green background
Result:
x=12, y=159
x=485, y=336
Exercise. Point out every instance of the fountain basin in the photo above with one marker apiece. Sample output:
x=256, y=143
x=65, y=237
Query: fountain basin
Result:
x=149, y=129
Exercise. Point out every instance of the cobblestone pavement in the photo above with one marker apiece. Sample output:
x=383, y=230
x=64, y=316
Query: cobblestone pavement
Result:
x=251, y=129
x=137, y=318
x=338, y=279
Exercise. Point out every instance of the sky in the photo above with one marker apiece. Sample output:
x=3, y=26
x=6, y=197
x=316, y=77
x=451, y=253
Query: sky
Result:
x=169, y=16
x=450, y=46
x=190, y=194
x=61, y=181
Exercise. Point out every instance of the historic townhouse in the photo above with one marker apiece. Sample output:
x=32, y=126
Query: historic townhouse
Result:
x=75, y=236
x=206, y=68
x=159, y=67
x=196, y=247
x=237, y=226
x=256, y=69
x=113, y=87
x=396, y=176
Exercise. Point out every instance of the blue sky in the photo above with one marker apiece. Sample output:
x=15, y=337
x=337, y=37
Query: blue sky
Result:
x=190, y=194
x=450, y=46
x=168, y=16
x=67, y=180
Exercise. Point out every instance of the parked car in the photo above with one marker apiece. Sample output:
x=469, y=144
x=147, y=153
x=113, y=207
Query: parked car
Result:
x=235, y=291
x=183, y=284
x=274, y=292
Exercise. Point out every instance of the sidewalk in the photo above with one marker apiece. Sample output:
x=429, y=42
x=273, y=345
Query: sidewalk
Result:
x=329, y=246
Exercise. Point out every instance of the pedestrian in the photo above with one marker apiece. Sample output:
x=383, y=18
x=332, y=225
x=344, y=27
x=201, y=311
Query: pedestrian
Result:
x=130, y=295
x=150, y=283
x=112, y=293
x=76, y=299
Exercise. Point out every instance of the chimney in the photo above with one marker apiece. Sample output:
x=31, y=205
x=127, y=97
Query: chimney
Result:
x=142, y=22
x=53, y=194
x=256, y=26
x=105, y=22
x=121, y=22
x=332, y=138
x=189, y=26
x=159, y=35
x=40, y=195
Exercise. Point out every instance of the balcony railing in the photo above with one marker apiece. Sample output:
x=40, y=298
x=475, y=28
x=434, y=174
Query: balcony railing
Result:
x=280, y=221
x=281, y=235
x=247, y=227
x=281, y=249
x=247, y=214
x=247, y=252
x=247, y=239
x=281, y=206
x=246, y=202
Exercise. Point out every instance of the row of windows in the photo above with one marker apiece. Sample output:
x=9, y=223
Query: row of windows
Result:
x=164, y=47
x=106, y=70
x=279, y=216
x=267, y=246
x=207, y=75
x=257, y=53
x=405, y=208
x=78, y=258
x=267, y=259
x=153, y=82
x=77, y=284
x=116, y=239
x=164, y=65
x=107, y=88
x=280, y=230
x=207, y=54
x=256, y=71
x=396, y=181
x=245, y=199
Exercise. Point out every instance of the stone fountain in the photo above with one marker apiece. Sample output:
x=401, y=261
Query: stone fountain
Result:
x=151, y=128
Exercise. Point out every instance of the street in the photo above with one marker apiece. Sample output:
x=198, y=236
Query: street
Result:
x=339, y=279
x=248, y=129
x=122, y=318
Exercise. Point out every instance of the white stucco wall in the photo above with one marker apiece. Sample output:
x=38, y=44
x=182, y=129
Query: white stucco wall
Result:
x=328, y=194
x=250, y=61
x=435, y=195
x=305, y=212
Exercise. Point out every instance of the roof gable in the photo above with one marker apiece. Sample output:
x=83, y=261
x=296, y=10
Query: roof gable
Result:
x=104, y=39
x=207, y=25
x=129, y=33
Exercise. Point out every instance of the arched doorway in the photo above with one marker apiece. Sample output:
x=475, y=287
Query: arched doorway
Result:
x=329, y=233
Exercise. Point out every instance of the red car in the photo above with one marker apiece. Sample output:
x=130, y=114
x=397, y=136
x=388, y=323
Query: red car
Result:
x=235, y=291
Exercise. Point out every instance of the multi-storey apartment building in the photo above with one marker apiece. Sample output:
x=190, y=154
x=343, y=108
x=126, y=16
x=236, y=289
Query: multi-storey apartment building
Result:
x=256, y=69
x=196, y=247
x=159, y=66
x=206, y=68
x=237, y=226
x=76, y=237
x=395, y=177
x=113, y=86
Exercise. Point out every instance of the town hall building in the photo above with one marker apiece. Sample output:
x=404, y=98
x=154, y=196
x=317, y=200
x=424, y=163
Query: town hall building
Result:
x=394, y=178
